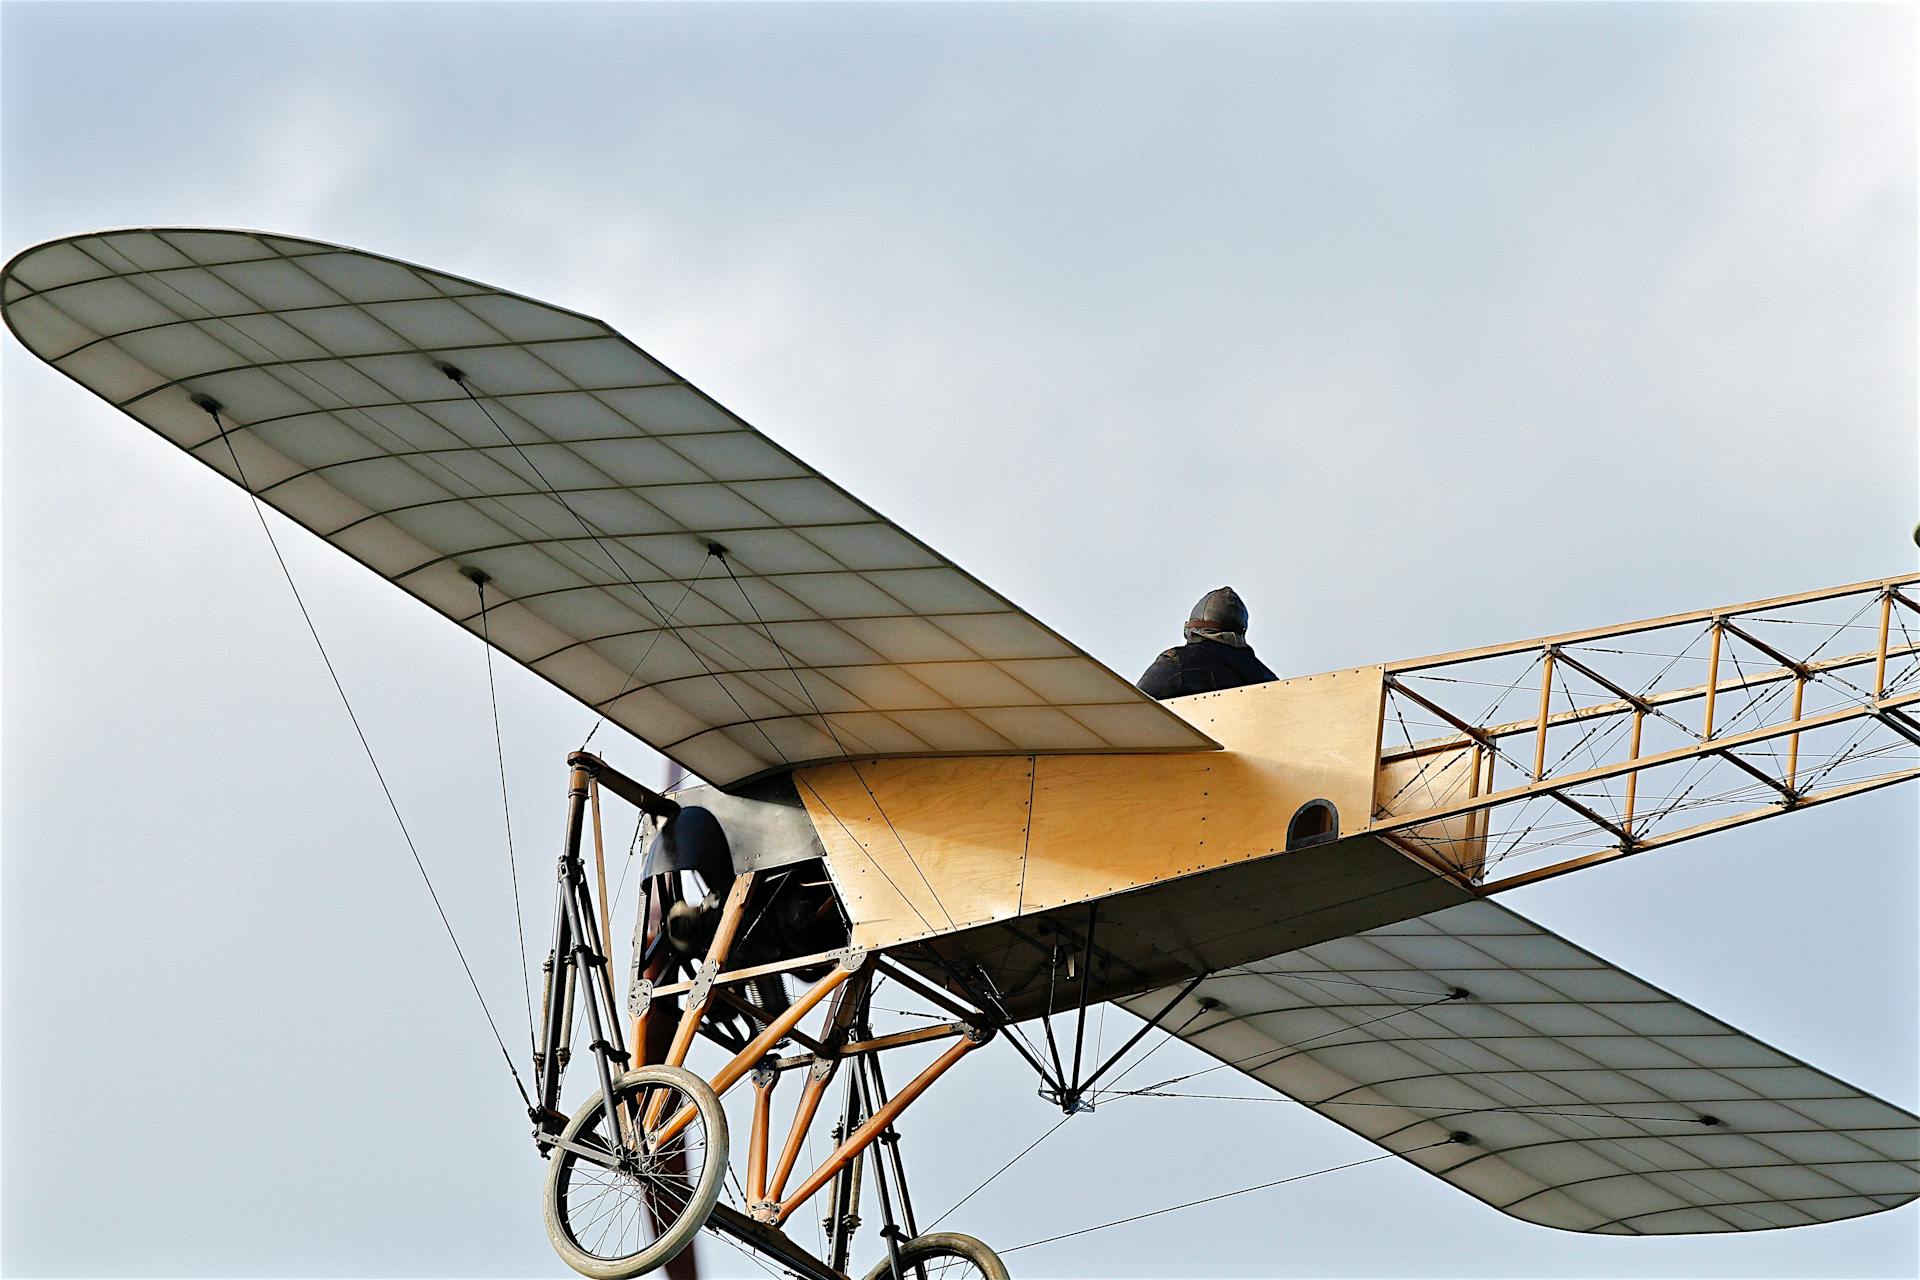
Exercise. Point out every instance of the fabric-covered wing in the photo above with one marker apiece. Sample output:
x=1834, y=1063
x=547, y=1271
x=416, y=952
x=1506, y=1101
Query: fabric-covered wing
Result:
x=589, y=483
x=1581, y=1097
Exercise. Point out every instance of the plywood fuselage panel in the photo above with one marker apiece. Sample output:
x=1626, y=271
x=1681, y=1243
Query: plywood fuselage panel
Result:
x=921, y=848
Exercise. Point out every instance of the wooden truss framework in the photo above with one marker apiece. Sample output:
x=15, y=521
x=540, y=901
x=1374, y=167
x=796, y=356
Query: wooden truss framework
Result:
x=844, y=1036
x=1571, y=750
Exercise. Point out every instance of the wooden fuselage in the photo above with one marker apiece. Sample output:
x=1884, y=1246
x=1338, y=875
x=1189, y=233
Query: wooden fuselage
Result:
x=1178, y=862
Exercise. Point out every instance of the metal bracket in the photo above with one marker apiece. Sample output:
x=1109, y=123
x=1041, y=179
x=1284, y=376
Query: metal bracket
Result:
x=640, y=997
x=702, y=986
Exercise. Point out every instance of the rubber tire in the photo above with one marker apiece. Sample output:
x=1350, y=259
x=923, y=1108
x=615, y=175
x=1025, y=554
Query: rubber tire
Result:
x=944, y=1244
x=681, y=1232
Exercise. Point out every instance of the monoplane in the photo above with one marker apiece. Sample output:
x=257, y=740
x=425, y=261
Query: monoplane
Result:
x=899, y=778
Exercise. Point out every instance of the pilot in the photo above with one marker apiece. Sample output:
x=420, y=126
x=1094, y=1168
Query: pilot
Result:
x=1215, y=656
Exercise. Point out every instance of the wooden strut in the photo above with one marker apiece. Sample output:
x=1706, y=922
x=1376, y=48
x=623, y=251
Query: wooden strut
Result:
x=1551, y=787
x=1713, y=683
x=875, y=1125
x=848, y=983
x=1880, y=650
x=1593, y=634
x=599, y=859
x=802, y=1121
x=1649, y=701
x=1551, y=790
x=1633, y=753
x=734, y=976
x=756, y=1049
x=730, y=917
x=1463, y=814
x=764, y=1192
x=1793, y=743
x=763, y=1082
x=1546, y=708
x=839, y=1020
x=1805, y=800
x=1475, y=818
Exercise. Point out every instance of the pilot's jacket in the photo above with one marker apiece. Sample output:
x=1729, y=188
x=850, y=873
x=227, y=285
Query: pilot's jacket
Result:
x=1203, y=666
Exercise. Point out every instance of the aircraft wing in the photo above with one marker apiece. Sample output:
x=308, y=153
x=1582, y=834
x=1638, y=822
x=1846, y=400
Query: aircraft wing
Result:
x=1577, y=1096
x=589, y=483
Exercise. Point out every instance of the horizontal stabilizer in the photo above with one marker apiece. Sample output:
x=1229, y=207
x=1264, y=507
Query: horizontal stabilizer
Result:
x=1575, y=1095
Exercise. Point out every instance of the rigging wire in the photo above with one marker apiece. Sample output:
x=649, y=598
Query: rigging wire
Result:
x=952, y=1208
x=459, y=379
x=627, y=684
x=1166, y=1039
x=212, y=408
x=1277, y=1053
x=506, y=808
x=1226, y=1195
x=831, y=733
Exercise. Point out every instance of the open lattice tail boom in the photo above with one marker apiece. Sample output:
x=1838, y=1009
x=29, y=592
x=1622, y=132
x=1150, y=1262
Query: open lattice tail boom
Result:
x=1566, y=751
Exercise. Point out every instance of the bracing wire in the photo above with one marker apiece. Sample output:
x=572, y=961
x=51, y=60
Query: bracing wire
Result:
x=459, y=379
x=955, y=1206
x=1276, y=1053
x=1225, y=1195
x=627, y=684
x=506, y=808
x=832, y=733
x=1177, y=1034
x=1520, y=835
x=212, y=409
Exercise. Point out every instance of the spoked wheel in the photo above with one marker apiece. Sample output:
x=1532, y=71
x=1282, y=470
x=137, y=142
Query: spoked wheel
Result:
x=619, y=1205
x=943, y=1255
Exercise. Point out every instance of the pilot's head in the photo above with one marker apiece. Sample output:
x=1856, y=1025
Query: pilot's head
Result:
x=1219, y=610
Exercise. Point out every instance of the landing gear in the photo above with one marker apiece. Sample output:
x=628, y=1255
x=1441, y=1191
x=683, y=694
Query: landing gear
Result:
x=624, y=1198
x=943, y=1255
x=639, y=1169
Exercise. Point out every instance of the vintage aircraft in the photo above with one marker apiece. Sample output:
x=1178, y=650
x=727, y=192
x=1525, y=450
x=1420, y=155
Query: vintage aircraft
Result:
x=909, y=781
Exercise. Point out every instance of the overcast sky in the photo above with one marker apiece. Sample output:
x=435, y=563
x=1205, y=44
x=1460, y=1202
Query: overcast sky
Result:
x=1423, y=327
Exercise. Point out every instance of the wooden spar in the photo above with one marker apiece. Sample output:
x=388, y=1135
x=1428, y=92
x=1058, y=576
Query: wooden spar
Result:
x=1717, y=747
x=1806, y=800
x=1652, y=701
x=1652, y=624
